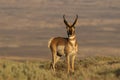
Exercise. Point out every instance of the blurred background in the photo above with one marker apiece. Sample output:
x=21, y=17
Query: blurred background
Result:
x=27, y=25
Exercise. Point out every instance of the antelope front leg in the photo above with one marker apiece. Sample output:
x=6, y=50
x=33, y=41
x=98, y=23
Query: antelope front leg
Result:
x=68, y=64
x=72, y=63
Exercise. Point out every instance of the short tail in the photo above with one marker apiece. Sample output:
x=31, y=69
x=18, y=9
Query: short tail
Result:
x=49, y=42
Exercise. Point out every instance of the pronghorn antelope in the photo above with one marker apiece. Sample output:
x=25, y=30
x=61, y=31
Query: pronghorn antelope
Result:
x=61, y=46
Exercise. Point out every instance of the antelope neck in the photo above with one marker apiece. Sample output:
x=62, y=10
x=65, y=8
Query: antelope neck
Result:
x=71, y=38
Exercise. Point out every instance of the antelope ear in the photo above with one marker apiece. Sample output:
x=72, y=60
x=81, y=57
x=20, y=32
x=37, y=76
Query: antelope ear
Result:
x=75, y=20
x=66, y=23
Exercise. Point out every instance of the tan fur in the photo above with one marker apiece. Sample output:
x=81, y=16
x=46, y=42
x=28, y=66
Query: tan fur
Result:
x=61, y=46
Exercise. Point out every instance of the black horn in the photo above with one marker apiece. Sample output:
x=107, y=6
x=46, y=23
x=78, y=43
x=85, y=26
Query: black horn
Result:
x=75, y=21
x=65, y=20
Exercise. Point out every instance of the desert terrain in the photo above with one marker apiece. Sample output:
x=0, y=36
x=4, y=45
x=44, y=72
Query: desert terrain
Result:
x=27, y=25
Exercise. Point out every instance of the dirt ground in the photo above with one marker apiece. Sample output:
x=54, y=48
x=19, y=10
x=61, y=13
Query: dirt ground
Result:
x=27, y=25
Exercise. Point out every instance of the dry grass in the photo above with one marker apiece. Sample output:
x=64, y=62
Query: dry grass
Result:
x=90, y=68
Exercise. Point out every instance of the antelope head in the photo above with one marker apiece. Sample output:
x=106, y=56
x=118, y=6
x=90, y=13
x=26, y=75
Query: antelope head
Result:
x=70, y=28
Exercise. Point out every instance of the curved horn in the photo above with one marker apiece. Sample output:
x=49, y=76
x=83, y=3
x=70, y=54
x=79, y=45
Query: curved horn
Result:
x=75, y=20
x=65, y=20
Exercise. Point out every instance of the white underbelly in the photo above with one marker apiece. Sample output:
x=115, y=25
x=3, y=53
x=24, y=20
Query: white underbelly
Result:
x=60, y=50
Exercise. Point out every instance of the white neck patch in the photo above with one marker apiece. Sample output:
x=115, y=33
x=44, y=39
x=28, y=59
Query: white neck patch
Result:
x=72, y=37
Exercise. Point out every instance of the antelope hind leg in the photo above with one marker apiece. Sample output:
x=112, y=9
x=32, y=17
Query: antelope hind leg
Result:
x=53, y=60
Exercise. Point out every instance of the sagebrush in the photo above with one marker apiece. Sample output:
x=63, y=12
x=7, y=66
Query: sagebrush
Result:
x=90, y=68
